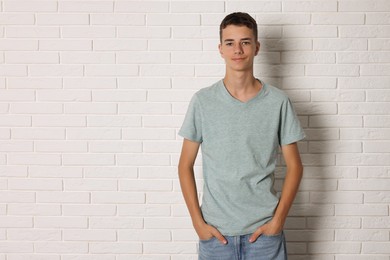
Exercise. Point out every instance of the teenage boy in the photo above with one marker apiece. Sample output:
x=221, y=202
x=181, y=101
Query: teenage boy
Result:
x=240, y=122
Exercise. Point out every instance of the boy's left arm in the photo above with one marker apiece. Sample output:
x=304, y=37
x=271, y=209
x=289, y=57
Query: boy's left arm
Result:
x=290, y=188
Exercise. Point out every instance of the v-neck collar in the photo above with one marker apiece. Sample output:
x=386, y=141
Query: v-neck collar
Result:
x=235, y=100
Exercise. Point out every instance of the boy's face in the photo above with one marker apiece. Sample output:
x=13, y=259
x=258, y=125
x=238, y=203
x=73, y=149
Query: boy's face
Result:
x=238, y=47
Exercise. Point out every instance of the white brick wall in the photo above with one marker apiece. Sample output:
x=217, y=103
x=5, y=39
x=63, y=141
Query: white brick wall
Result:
x=92, y=94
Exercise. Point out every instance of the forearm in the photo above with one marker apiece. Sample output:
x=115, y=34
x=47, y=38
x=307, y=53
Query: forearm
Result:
x=190, y=194
x=289, y=191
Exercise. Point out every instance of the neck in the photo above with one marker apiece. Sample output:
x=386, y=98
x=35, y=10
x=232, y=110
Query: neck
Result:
x=240, y=82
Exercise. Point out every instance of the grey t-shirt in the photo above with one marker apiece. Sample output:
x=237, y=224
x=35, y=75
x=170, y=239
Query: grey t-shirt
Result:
x=240, y=142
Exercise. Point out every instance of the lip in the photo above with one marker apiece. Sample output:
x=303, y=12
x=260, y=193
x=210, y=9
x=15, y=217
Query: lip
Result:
x=238, y=59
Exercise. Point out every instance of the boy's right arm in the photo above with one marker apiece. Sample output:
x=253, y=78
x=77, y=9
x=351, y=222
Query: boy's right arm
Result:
x=188, y=186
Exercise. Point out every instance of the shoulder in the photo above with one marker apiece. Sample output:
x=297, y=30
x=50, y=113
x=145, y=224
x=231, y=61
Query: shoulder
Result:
x=276, y=93
x=208, y=92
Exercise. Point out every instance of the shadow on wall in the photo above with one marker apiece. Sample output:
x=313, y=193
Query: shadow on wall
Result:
x=313, y=207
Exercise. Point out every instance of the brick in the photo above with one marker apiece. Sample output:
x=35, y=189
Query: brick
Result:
x=86, y=7
x=376, y=121
x=364, y=134
x=17, y=197
x=89, y=83
x=34, y=83
x=332, y=70
x=32, y=32
x=376, y=147
x=363, y=57
x=363, y=185
x=374, y=69
x=115, y=146
x=62, y=19
x=164, y=198
x=169, y=95
x=318, y=185
x=114, y=121
x=35, y=184
x=150, y=108
x=143, y=159
x=16, y=19
x=162, y=121
x=144, y=83
x=379, y=44
x=197, y=7
x=14, y=120
x=308, y=83
x=365, y=6
x=173, y=19
x=34, y=234
x=61, y=247
x=33, y=256
x=336, y=197
x=361, y=210
x=23, y=57
x=151, y=32
x=166, y=70
x=16, y=222
x=13, y=70
x=88, y=257
x=175, y=45
x=168, y=172
x=309, y=235
x=335, y=147
x=19, y=45
x=250, y=6
x=111, y=172
x=195, y=32
x=60, y=222
x=70, y=57
x=36, y=108
x=55, y=172
x=148, y=134
x=170, y=248
x=339, y=95
x=376, y=223
x=58, y=121
x=115, y=223
x=56, y=70
x=340, y=44
x=26, y=6
x=89, y=235
x=312, y=210
x=308, y=57
x=89, y=184
x=16, y=247
x=318, y=108
x=161, y=147
x=88, y=159
x=93, y=133
x=378, y=18
x=38, y=133
x=334, y=222
x=376, y=108
x=111, y=70
x=34, y=159
x=374, y=172
x=338, y=18
x=143, y=57
x=65, y=45
x=16, y=146
x=334, y=247
x=144, y=210
x=90, y=108
x=89, y=210
x=167, y=223
x=335, y=121
x=116, y=247
x=119, y=95
x=141, y=7
x=363, y=83
x=34, y=209
x=145, y=185
x=62, y=197
x=144, y=235
x=119, y=45
x=64, y=95
x=117, y=19
x=309, y=6
x=375, y=248
x=361, y=235
x=119, y=197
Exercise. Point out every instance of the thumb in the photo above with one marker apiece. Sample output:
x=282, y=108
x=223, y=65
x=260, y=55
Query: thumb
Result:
x=219, y=236
x=255, y=235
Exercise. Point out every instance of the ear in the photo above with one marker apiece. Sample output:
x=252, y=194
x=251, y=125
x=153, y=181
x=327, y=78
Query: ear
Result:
x=220, y=48
x=257, y=48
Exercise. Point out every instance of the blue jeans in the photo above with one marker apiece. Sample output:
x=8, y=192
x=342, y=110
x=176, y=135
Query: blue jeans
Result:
x=239, y=248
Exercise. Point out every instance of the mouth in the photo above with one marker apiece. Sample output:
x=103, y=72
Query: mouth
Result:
x=238, y=59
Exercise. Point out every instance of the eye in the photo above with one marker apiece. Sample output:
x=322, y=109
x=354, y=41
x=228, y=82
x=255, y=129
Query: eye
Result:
x=229, y=44
x=246, y=43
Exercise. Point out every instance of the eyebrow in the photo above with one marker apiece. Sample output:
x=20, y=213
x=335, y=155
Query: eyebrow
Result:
x=243, y=39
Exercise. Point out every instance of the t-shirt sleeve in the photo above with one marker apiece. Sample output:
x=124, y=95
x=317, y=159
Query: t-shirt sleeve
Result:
x=290, y=130
x=192, y=124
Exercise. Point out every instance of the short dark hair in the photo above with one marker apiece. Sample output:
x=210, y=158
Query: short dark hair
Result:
x=240, y=19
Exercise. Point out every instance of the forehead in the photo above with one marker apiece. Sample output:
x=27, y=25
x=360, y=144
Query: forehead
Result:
x=236, y=32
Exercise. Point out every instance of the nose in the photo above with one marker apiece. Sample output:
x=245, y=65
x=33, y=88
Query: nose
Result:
x=238, y=49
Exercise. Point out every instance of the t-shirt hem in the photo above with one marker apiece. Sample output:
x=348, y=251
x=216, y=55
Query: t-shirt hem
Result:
x=189, y=137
